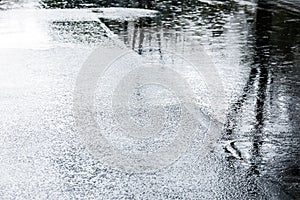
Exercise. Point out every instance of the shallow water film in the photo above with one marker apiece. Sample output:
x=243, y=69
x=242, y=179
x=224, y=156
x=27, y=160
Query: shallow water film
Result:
x=137, y=99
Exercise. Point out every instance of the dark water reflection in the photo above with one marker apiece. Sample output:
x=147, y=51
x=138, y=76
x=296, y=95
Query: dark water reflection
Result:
x=275, y=49
x=263, y=119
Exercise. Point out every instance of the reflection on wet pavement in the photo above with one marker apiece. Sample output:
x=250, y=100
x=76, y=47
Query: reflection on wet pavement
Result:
x=254, y=46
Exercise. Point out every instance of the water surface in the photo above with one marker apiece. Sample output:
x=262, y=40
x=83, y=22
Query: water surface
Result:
x=253, y=45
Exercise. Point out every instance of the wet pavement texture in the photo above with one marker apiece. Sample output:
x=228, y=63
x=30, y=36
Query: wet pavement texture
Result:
x=254, y=46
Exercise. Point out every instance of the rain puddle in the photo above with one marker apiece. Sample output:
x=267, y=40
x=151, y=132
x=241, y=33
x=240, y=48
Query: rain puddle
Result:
x=251, y=53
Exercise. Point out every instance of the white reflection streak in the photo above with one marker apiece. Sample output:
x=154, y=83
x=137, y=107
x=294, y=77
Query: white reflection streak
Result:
x=23, y=30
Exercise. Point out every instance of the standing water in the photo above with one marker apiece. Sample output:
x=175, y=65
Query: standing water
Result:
x=252, y=45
